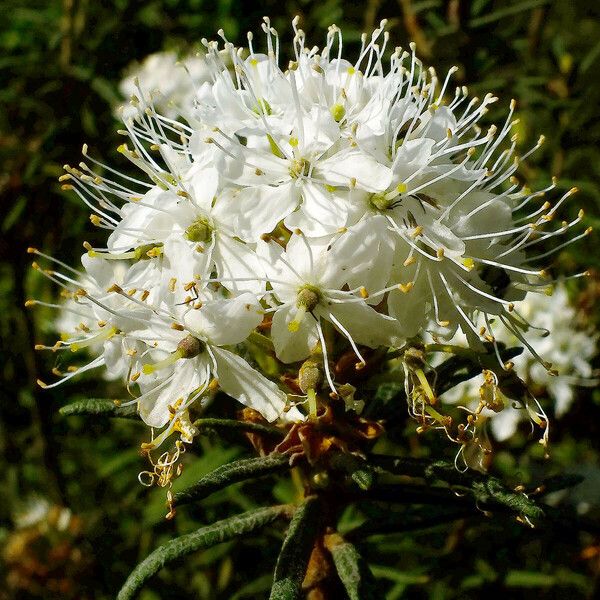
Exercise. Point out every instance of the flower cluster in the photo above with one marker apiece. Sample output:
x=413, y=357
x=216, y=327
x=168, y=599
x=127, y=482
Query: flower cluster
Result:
x=325, y=210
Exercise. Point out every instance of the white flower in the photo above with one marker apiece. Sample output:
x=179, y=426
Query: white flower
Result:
x=187, y=348
x=171, y=82
x=195, y=230
x=307, y=280
x=555, y=337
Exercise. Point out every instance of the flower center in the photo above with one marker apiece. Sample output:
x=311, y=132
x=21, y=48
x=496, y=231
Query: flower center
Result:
x=386, y=200
x=307, y=300
x=190, y=347
x=299, y=167
x=199, y=231
x=380, y=202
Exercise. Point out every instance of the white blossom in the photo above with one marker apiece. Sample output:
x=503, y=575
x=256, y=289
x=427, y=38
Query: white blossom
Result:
x=323, y=208
x=557, y=338
x=172, y=82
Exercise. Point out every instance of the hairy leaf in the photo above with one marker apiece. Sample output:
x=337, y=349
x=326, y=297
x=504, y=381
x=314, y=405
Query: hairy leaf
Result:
x=352, y=569
x=296, y=550
x=231, y=473
x=233, y=424
x=99, y=407
x=218, y=532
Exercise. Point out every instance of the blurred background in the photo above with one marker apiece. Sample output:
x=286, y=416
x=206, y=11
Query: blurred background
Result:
x=73, y=518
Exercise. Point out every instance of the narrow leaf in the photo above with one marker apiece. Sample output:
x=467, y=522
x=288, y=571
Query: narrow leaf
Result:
x=352, y=569
x=96, y=406
x=205, y=537
x=507, y=11
x=231, y=473
x=485, y=488
x=295, y=552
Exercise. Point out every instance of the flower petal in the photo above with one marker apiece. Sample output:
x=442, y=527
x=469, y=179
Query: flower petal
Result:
x=240, y=381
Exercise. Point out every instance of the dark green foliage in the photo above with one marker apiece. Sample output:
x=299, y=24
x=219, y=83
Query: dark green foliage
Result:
x=241, y=426
x=97, y=407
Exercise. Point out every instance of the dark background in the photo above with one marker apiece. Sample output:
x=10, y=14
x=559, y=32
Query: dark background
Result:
x=60, y=63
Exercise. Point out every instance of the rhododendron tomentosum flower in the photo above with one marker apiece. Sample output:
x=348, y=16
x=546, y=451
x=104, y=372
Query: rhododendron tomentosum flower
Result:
x=187, y=350
x=172, y=83
x=556, y=337
x=359, y=204
x=186, y=339
x=307, y=281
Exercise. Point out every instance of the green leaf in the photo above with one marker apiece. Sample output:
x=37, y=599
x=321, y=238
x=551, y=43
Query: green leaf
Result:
x=205, y=537
x=486, y=489
x=352, y=569
x=96, y=406
x=560, y=482
x=295, y=552
x=231, y=473
x=528, y=579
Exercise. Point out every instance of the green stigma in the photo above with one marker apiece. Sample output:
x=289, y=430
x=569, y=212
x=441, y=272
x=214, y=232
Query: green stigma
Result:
x=380, y=202
x=338, y=112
